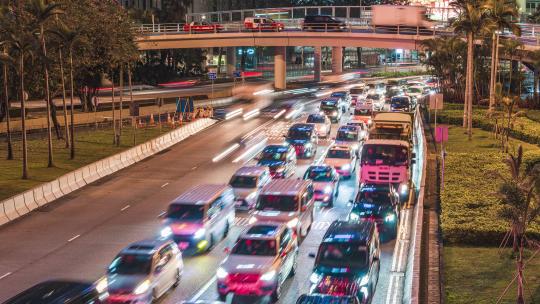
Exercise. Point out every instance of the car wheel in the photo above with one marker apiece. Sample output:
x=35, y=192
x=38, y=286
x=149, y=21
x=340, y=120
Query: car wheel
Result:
x=330, y=203
x=154, y=296
x=210, y=244
x=295, y=264
x=222, y=297
x=277, y=293
x=226, y=231
x=177, y=279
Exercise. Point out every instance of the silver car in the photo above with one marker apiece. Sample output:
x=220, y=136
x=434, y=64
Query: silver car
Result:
x=246, y=183
x=260, y=261
x=144, y=271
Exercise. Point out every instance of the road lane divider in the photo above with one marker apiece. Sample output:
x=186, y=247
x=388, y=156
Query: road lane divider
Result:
x=23, y=203
x=5, y=275
x=74, y=238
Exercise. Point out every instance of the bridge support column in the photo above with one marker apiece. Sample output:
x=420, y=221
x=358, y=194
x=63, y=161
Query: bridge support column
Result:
x=337, y=60
x=231, y=61
x=280, y=68
x=317, y=52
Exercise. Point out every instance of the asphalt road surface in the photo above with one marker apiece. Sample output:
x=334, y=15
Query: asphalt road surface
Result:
x=78, y=236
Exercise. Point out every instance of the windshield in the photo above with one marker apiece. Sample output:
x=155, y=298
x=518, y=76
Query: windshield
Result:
x=271, y=154
x=329, y=105
x=299, y=133
x=243, y=182
x=346, y=154
x=315, y=119
x=379, y=197
x=338, y=94
x=389, y=155
x=362, y=112
x=255, y=247
x=391, y=92
x=345, y=135
x=357, y=91
x=318, y=174
x=131, y=264
x=285, y=203
x=346, y=254
x=414, y=90
x=185, y=212
x=400, y=101
x=373, y=96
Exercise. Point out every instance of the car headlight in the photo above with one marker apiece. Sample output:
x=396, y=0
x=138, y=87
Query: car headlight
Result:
x=353, y=217
x=268, y=276
x=221, y=273
x=315, y=278
x=199, y=233
x=252, y=220
x=251, y=196
x=101, y=285
x=355, y=147
x=334, y=113
x=364, y=280
x=292, y=223
x=363, y=134
x=328, y=189
x=346, y=167
x=369, y=121
x=280, y=169
x=142, y=288
x=390, y=217
x=166, y=232
x=404, y=188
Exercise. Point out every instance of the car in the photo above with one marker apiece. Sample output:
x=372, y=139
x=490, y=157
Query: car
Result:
x=323, y=125
x=144, y=271
x=377, y=100
x=291, y=109
x=358, y=91
x=348, y=135
x=200, y=217
x=332, y=107
x=263, y=24
x=347, y=261
x=342, y=158
x=325, y=183
x=303, y=137
x=379, y=203
x=415, y=92
x=259, y=263
x=322, y=22
x=63, y=291
x=318, y=298
x=280, y=159
x=391, y=92
x=288, y=201
x=401, y=104
x=246, y=183
x=363, y=111
x=202, y=27
x=345, y=95
x=362, y=126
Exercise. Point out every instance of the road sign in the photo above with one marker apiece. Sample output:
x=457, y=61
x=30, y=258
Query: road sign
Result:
x=212, y=76
x=436, y=101
x=237, y=74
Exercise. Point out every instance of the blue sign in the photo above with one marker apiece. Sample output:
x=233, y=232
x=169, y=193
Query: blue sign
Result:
x=184, y=105
x=237, y=74
x=212, y=75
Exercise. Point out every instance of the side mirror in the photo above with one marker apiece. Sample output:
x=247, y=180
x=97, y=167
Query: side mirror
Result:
x=158, y=269
x=350, y=203
x=311, y=255
x=226, y=250
x=303, y=209
x=413, y=161
x=283, y=254
x=413, y=155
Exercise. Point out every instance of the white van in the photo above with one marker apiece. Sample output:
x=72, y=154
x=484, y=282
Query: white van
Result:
x=200, y=217
x=288, y=201
x=247, y=183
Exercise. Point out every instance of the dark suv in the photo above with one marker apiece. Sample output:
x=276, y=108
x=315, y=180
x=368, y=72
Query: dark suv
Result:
x=348, y=261
x=322, y=22
x=303, y=138
x=66, y=292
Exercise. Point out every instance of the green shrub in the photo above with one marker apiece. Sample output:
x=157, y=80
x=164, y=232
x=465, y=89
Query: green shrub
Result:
x=397, y=74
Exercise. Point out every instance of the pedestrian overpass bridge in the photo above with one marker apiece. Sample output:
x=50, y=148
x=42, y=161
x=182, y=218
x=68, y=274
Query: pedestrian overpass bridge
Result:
x=358, y=32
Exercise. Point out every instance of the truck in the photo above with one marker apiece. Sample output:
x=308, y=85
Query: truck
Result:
x=397, y=126
x=400, y=15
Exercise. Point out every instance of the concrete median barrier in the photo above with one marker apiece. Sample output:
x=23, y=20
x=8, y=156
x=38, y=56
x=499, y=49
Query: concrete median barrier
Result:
x=21, y=204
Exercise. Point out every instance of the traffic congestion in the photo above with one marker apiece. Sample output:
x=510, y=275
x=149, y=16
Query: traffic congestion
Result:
x=310, y=212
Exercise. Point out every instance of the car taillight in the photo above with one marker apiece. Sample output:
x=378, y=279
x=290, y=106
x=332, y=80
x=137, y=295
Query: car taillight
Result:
x=337, y=286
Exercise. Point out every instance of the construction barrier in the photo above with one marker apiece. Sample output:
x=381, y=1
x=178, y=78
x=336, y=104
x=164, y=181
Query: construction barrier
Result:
x=21, y=204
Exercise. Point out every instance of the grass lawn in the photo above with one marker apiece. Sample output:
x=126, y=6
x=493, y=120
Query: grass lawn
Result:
x=91, y=145
x=480, y=275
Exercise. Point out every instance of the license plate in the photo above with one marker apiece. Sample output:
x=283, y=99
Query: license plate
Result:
x=183, y=245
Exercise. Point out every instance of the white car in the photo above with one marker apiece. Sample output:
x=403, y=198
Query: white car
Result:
x=342, y=158
x=377, y=100
x=323, y=125
x=259, y=263
x=144, y=271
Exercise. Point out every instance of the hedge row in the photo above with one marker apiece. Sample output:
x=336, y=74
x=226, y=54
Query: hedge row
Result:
x=469, y=206
x=525, y=129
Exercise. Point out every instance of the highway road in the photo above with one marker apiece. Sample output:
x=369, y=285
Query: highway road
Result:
x=78, y=236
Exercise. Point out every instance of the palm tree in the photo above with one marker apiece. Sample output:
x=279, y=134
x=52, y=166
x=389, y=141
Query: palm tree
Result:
x=42, y=11
x=23, y=45
x=504, y=15
x=4, y=10
x=512, y=49
x=63, y=84
x=472, y=22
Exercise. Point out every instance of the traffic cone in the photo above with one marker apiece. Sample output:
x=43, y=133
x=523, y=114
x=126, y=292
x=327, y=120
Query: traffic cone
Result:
x=152, y=121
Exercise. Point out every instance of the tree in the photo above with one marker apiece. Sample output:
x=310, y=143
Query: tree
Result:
x=520, y=206
x=512, y=48
x=4, y=16
x=23, y=45
x=42, y=12
x=503, y=14
x=471, y=21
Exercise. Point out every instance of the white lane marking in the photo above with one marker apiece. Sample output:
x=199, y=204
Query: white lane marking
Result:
x=74, y=238
x=125, y=207
x=224, y=154
x=203, y=289
x=194, y=168
x=164, y=185
x=5, y=275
